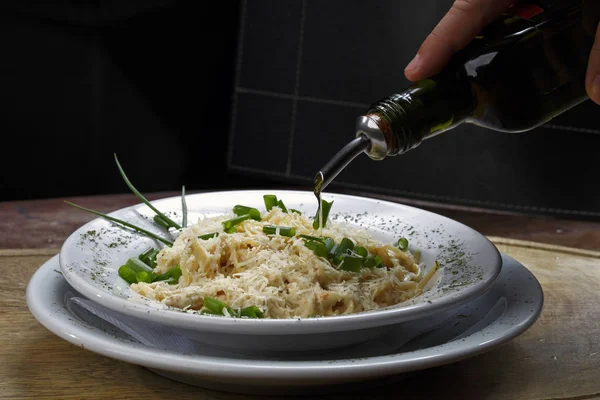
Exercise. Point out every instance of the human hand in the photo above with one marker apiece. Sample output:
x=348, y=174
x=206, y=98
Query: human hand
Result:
x=464, y=20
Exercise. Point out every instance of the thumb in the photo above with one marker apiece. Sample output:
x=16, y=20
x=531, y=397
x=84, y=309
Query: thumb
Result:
x=592, y=81
x=464, y=20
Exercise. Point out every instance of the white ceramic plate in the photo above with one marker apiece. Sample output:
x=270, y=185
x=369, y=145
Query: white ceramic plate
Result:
x=91, y=256
x=508, y=309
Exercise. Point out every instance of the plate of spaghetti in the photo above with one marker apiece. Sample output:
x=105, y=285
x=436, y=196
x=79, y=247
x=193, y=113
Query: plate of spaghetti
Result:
x=275, y=271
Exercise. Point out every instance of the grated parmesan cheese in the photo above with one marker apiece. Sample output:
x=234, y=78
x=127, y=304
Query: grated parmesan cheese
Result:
x=279, y=274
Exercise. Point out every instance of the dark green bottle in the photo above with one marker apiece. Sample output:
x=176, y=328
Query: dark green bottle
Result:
x=525, y=68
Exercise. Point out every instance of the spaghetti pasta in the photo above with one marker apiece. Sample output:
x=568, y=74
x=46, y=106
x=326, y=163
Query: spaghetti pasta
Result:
x=280, y=274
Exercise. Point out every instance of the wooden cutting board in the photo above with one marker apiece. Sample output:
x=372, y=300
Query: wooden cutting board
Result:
x=557, y=358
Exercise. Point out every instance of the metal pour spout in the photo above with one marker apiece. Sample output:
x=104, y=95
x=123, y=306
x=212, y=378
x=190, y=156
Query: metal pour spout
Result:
x=348, y=153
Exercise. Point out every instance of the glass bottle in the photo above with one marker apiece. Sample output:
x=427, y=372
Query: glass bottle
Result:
x=522, y=70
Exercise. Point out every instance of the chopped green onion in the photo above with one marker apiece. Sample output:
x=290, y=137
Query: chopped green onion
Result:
x=128, y=274
x=162, y=277
x=317, y=247
x=141, y=197
x=124, y=223
x=143, y=276
x=372, y=261
x=270, y=201
x=243, y=210
x=171, y=276
x=326, y=208
x=251, y=312
x=345, y=246
x=402, y=244
x=331, y=252
x=149, y=257
x=295, y=211
x=208, y=236
x=330, y=246
x=138, y=265
x=214, y=305
x=161, y=222
x=350, y=263
x=361, y=251
x=175, y=272
x=136, y=270
x=308, y=237
x=231, y=223
x=288, y=231
x=282, y=206
x=183, y=208
x=345, y=255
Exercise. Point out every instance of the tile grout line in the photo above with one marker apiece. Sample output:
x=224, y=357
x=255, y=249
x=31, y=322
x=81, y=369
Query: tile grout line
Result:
x=423, y=195
x=310, y=99
x=301, y=98
x=238, y=72
x=288, y=166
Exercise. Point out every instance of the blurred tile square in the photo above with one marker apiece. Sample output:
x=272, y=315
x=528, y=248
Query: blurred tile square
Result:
x=261, y=132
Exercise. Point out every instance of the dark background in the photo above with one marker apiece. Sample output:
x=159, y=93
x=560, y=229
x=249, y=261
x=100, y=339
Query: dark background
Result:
x=253, y=94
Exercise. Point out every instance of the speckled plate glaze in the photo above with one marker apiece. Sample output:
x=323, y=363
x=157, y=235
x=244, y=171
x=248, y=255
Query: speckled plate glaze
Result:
x=507, y=309
x=91, y=256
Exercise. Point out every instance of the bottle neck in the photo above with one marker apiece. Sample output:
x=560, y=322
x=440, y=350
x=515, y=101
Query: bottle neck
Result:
x=402, y=121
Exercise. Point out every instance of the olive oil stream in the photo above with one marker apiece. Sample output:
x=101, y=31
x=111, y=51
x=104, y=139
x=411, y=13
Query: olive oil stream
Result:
x=335, y=166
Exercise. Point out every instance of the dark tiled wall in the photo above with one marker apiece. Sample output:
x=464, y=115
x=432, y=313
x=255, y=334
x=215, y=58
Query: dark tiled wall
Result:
x=148, y=80
x=306, y=69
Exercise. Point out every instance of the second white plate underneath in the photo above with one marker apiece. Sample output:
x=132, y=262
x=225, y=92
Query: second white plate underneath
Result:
x=506, y=310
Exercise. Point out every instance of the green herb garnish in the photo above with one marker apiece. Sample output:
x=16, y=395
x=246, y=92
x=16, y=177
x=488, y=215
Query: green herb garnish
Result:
x=251, y=312
x=317, y=247
x=208, y=236
x=326, y=208
x=161, y=222
x=135, y=270
x=229, y=225
x=270, y=201
x=309, y=237
x=350, y=263
x=124, y=223
x=282, y=206
x=144, y=276
x=288, y=231
x=373, y=261
x=143, y=199
x=183, y=208
x=402, y=244
x=149, y=257
x=243, y=210
x=213, y=306
x=171, y=276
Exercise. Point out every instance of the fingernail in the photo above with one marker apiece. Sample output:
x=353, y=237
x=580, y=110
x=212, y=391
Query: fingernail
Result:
x=596, y=88
x=414, y=64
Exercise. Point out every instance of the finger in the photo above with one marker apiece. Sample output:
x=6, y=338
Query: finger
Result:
x=464, y=20
x=592, y=81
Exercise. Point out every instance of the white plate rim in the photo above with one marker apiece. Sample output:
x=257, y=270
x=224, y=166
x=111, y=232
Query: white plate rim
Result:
x=284, y=326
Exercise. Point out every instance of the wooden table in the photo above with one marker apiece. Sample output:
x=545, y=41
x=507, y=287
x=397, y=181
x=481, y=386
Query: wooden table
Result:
x=557, y=358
